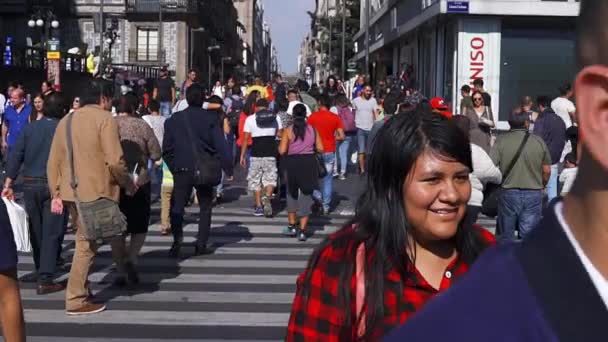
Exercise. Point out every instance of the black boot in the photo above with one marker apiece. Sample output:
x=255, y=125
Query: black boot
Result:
x=175, y=248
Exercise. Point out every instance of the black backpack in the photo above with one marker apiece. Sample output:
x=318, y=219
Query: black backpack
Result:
x=234, y=112
x=266, y=119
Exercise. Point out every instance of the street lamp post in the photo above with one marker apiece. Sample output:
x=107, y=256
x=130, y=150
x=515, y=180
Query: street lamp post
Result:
x=343, y=39
x=209, y=49
x=367, y=14
x=160, y=33
x=227, y=59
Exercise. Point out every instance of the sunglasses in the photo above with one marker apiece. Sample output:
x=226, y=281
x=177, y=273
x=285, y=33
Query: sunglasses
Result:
x=477, y=99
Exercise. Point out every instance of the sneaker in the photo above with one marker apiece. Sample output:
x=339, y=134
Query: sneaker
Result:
x=290, y=231
x=335, y=174
x=258, y=211
x=267, y=207
x=86, y=309
x=302, y=235
x=342, y=177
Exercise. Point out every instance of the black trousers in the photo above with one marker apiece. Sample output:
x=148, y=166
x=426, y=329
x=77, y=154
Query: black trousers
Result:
x=182, y=188
x=46, y=228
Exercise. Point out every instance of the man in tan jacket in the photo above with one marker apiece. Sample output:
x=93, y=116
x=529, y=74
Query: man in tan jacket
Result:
x=100, y=170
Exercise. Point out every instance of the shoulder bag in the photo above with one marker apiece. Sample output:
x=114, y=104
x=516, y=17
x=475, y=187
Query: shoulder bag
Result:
x=360, y=290
x=207, y=172
x=491, y=194
x=101, y=219
x=321, y=169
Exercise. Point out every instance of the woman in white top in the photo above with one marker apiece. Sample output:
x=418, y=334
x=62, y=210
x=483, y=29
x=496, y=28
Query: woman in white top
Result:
x=484, y=171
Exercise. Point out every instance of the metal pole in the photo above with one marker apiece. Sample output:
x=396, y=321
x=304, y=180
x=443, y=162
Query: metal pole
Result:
x=160, y=33
x=343, y=40
x=209, y=77
x=330, y=32
x=222, y=71
x=101, y=30
x=367, y=14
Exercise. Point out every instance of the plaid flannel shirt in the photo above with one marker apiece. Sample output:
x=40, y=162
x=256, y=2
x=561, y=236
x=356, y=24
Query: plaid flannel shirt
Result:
x=319, y=317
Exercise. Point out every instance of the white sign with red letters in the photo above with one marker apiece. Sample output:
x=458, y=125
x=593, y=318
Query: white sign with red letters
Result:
x=479, y=56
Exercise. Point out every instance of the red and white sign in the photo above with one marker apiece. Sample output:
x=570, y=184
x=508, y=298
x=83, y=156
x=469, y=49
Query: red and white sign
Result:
x=479, y=56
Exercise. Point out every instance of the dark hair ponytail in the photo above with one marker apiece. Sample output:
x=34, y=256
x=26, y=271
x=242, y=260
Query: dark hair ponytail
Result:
x=299, y=121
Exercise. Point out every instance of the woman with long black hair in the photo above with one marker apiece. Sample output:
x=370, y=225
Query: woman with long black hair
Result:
x=406, y=243
x=299, y=143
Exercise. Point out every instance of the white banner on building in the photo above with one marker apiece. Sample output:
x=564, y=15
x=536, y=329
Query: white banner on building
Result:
x=479, y=56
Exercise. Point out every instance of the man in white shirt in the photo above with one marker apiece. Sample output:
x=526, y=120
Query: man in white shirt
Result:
x=565, y=109
x=292, y=97
x=553, y=286
x=263, y=127
x=366, y=111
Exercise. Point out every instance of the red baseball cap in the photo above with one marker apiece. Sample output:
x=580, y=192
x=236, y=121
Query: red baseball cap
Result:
x=438, y=103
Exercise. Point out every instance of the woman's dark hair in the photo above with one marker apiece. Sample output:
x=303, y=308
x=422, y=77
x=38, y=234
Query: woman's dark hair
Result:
x=33, y=114
x=54, y=105
x=342, y=101
x=94, y=90
x=128, y=104
x=153, y=106
x=333, y=88
x=380, y=218
x=299, y=121
x=250, y=102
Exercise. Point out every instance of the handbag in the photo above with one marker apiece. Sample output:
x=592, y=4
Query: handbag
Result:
x=19, y=224
x=207, y=172
x=101, y=219
x=491, y=194
x=360, y=290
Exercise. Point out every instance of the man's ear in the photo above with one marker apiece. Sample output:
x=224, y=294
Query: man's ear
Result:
x=591, y=93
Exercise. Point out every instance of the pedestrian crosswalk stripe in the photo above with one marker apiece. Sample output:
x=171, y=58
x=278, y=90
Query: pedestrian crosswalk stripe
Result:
x=242, y=292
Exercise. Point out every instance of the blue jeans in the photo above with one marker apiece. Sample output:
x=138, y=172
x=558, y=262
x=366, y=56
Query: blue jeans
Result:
x=327, y=181
x=343, y=149
x=518, y=208
x=552, y=185
x=362, y=136
x=165, y=109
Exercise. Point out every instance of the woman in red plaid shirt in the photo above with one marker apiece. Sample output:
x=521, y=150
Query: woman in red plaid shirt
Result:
x=406, y=243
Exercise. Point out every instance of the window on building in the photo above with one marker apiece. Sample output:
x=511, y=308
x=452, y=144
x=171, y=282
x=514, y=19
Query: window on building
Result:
x=147, y=44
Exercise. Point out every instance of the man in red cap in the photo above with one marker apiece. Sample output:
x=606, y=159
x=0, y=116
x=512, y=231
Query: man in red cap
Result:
x=438, y=105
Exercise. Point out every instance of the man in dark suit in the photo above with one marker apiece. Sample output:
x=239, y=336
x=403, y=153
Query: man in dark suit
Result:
x=554, y=285
x=178, y=153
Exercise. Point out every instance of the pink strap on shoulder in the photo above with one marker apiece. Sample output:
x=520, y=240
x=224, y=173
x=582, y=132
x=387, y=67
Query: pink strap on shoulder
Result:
x=360, y=289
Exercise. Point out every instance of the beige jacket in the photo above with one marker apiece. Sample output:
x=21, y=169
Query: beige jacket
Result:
x=98, y=157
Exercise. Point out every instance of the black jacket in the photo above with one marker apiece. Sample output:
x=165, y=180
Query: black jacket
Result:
x=209, y=139
x=552, y=129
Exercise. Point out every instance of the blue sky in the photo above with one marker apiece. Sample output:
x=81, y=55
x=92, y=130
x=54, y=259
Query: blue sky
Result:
x=289, y=23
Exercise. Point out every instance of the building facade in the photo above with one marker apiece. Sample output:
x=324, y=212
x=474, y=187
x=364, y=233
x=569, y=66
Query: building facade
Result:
x=259, y=56
x=148, y=33
x=518, y=47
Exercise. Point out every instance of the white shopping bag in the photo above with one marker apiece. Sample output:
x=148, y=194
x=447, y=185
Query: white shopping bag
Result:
x=19, y=222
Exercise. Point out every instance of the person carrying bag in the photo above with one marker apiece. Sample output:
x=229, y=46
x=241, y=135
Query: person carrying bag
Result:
x=102, y=219
x=491, y=194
